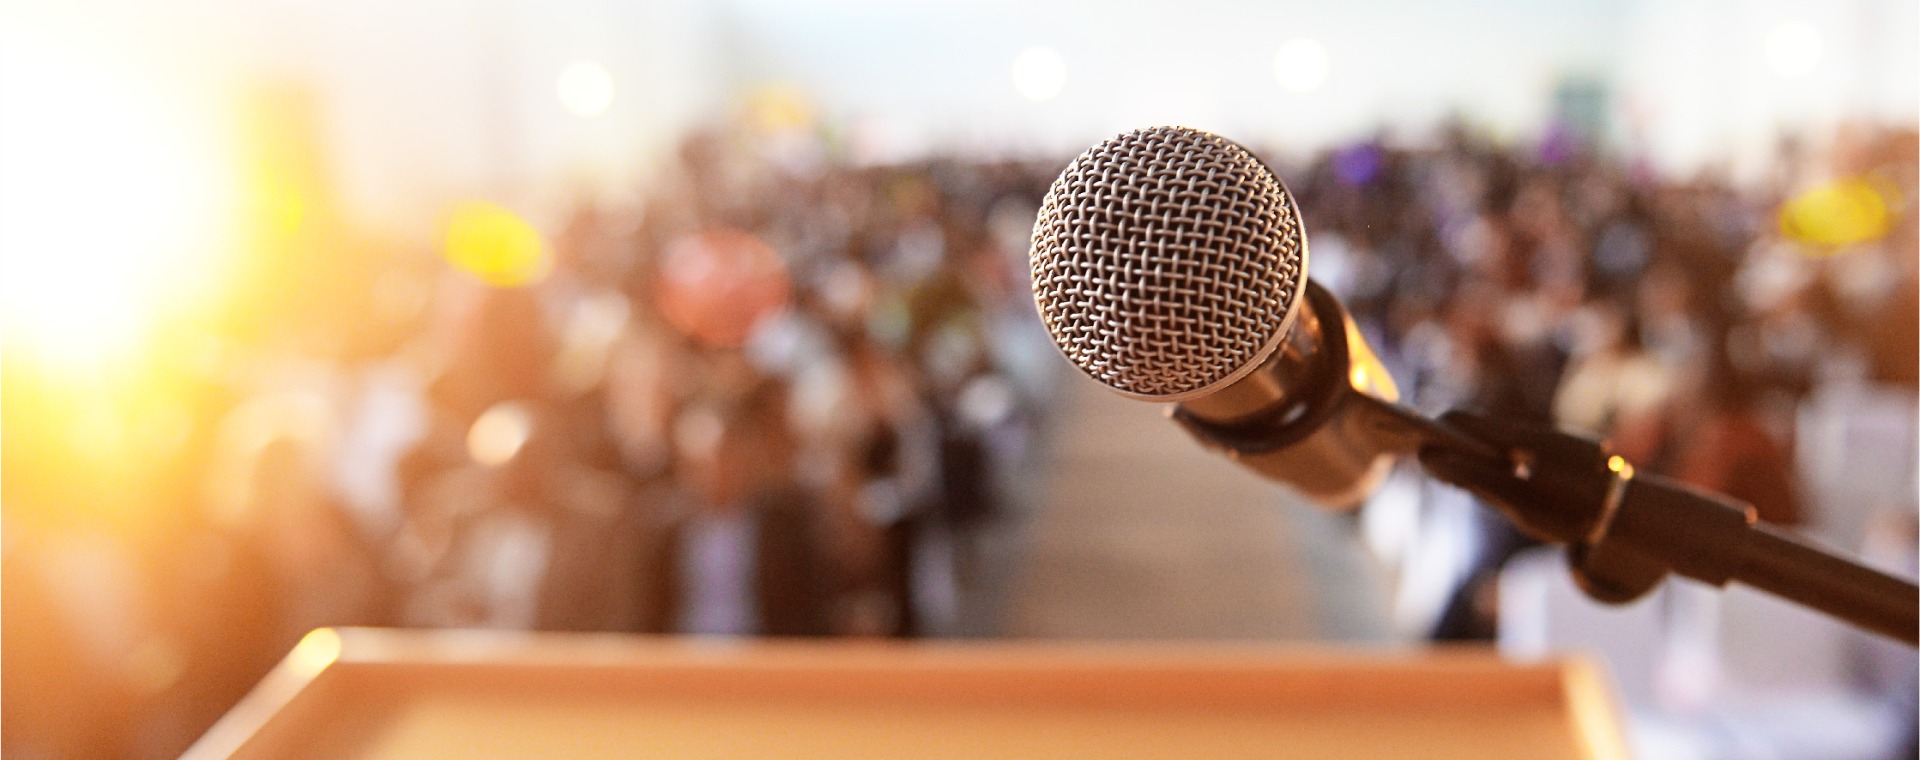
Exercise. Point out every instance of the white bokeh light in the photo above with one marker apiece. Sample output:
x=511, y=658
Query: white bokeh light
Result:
x=1300, y=65
x=585, y=89
x=1039, y=74
x=499, y=433
x=1794, y=48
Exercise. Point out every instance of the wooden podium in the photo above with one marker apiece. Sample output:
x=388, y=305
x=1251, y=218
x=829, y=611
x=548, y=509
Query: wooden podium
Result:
x=364, y=693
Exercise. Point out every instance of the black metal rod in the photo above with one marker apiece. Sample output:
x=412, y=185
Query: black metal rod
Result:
x=1788, y=567
x=1572, y=493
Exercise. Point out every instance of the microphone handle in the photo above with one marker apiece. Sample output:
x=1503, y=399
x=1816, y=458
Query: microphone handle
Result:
x=1626, y=530
x=1790, y=568
x=1715, y=538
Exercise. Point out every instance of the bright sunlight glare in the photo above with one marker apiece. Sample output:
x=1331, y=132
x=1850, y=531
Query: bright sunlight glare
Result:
x=113, y=206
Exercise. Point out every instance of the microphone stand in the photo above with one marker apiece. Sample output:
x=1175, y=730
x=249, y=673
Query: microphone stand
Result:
x=1626, y=531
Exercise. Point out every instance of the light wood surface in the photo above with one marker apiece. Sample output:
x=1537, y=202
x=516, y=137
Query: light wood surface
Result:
x=392, y=695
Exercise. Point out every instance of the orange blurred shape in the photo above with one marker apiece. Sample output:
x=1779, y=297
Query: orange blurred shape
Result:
x=779, y=108
x=282, y=147
x=716, y=286
x=281, y=207
x=1841, y=212
x=494, y=244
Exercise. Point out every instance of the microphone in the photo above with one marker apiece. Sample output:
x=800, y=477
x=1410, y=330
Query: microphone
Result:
x=1170, y=264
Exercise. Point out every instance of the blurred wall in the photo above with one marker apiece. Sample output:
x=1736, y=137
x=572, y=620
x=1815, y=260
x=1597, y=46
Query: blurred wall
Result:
x=428, y=101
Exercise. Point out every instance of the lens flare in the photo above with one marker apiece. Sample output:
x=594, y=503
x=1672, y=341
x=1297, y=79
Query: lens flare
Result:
x=115, y=206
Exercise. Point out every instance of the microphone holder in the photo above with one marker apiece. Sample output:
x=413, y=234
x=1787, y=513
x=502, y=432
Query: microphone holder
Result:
x=1625, y=531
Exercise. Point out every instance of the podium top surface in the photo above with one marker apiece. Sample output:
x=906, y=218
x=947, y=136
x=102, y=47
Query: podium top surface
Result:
x=388, y=695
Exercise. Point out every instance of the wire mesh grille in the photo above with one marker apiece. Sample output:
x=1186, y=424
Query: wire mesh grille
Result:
x=1166, y=261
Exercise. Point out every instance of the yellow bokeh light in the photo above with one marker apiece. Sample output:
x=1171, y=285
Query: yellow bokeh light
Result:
x=319, y=649
x=116, y=207
x=281, y=206
x=1843, y=212
x=779, y=108
x=496, y=245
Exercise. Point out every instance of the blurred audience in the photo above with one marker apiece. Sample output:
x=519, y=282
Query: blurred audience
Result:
x=1691, y=323
x=773, y=397
x=782, y=394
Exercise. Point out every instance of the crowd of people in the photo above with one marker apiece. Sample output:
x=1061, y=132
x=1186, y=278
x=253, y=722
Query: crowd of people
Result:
x=766, y=396
x=784, y=393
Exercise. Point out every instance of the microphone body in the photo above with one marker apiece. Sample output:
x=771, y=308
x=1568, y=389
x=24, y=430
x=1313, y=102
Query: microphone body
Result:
x=1309, y=416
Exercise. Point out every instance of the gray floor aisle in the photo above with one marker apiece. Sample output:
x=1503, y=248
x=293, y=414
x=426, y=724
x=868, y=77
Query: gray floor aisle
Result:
x=1142, y=534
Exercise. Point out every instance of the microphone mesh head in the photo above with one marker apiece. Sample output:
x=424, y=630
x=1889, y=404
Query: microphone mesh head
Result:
x=1167, y=262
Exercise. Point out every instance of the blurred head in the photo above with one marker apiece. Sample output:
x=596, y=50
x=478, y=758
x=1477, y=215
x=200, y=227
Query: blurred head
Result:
x=301, y=529
x=1723, y=388
x=715, y=287
x=729, y=450
x=499, y=348
x=1610, y=329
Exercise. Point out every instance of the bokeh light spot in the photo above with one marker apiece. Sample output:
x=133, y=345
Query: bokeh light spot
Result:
x=1301, y=65
x=1842, y=212
x=317, y=650
x=1039, y=74
x=496, y=245
x=779, y=108
x=499, y=433
x=585, y=89
x=283, y=208
x=1794, y=48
